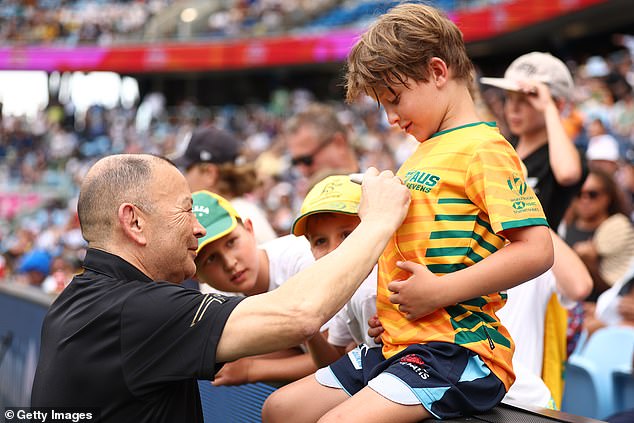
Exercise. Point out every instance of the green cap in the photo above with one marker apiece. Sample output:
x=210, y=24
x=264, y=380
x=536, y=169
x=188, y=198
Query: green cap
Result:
x=215, y=214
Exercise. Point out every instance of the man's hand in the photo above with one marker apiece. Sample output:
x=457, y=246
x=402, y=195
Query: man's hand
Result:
x=233, y=373
x=418, y=295
x=375, y=329
x=384, y=200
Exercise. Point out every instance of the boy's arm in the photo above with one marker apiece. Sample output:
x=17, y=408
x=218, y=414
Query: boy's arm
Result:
x=565, y=161
x=573, y=279
x=529, y=254
x=322, y=352
x=265, y=369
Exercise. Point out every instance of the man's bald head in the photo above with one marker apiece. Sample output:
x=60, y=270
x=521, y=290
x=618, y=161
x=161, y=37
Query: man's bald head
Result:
x=113, y=180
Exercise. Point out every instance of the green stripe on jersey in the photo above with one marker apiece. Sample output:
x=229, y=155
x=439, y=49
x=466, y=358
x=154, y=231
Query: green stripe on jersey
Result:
x=525, y=222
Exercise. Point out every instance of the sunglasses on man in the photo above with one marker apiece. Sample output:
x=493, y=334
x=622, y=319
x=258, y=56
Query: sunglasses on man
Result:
x=308, y=159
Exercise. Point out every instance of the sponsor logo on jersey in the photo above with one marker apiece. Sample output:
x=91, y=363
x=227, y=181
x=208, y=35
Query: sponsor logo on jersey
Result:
x=419, y=180
x=516, y=184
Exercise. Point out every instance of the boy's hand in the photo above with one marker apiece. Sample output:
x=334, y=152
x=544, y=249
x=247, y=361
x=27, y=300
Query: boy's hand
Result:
x=538, y=94
x=418, y=295
x=375, y=329
x=233, y=373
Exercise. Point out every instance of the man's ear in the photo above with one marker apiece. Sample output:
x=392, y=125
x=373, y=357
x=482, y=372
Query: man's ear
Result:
x=132, y=223
x=339, y=140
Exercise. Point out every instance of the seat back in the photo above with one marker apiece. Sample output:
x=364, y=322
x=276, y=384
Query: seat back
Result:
x=581, y=393
x=607, y=350
x=612, y=347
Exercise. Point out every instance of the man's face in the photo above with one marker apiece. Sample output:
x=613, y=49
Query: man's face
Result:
x=230, y=263
x=311, y=151
x=173, y=229
x=325, y=231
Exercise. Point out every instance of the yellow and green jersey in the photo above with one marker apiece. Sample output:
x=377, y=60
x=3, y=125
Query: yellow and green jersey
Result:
x=467, y=187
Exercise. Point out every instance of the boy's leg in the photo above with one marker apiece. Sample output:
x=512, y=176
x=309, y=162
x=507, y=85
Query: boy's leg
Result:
x=368, y=406
x=305, y=400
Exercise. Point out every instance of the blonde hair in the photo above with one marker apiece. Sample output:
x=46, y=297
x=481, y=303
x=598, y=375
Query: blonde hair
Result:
x=235, y=180
x=400, y=45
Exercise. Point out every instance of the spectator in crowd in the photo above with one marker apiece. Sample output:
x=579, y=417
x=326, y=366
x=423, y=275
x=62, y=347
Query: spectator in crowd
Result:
x=525, y=315
x=603, y=148
x=600, y=231
x=212, y=162
x=34, y=266
x=329, y=214
x=317, y=140
x=615, y=306
x=230, y=261
x=537, y=87
x=422, y=79
x=126, y=322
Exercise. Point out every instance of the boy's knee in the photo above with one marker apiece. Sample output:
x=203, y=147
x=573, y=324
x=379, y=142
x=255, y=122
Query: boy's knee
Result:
x=274, y=408
x=334, y=416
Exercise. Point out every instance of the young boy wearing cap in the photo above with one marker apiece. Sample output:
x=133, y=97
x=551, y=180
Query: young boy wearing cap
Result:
x=537, y=88
x=230, y=260
x=328, y=216
x=447, y=354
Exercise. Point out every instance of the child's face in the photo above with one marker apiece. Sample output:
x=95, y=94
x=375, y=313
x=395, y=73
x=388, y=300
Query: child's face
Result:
x=415, y=109
x=230, y=263
x=521, y=117
x=325, y=231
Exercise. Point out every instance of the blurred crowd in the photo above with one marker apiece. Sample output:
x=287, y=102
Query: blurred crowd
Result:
x=103, y=22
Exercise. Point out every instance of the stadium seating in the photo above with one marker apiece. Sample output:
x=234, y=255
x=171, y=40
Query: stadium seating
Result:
x=590, y=390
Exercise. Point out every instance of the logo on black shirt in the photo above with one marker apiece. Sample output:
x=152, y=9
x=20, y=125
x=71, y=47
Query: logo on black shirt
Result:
x=204, y=305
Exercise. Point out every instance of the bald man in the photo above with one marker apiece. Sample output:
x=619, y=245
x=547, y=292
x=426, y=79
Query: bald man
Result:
x=124, y=337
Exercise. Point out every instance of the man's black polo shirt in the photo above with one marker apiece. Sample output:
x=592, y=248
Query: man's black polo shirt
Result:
x=118, y=341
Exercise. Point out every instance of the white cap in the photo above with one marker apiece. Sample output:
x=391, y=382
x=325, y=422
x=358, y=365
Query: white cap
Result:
x=538, y=66
x=603, y=147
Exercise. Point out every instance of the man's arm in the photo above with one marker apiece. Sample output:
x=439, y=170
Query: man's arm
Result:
x=296, y=310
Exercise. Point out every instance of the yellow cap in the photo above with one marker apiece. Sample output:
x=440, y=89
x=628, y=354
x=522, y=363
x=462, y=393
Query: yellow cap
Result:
x=334, y=194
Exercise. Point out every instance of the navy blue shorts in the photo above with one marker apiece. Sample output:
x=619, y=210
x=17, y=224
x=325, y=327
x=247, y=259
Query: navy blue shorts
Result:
x=447, y=379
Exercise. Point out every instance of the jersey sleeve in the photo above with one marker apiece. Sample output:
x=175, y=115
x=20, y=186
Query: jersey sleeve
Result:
x=170, y=333
x=496, y=184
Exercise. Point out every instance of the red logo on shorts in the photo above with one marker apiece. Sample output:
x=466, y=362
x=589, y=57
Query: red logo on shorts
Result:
x=412, y=358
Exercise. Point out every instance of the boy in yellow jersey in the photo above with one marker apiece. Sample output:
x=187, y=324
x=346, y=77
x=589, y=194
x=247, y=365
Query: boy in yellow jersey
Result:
x=452, y=356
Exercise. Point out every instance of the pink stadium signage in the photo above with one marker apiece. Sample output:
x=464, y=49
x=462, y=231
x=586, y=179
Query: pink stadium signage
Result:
x=476, y=25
